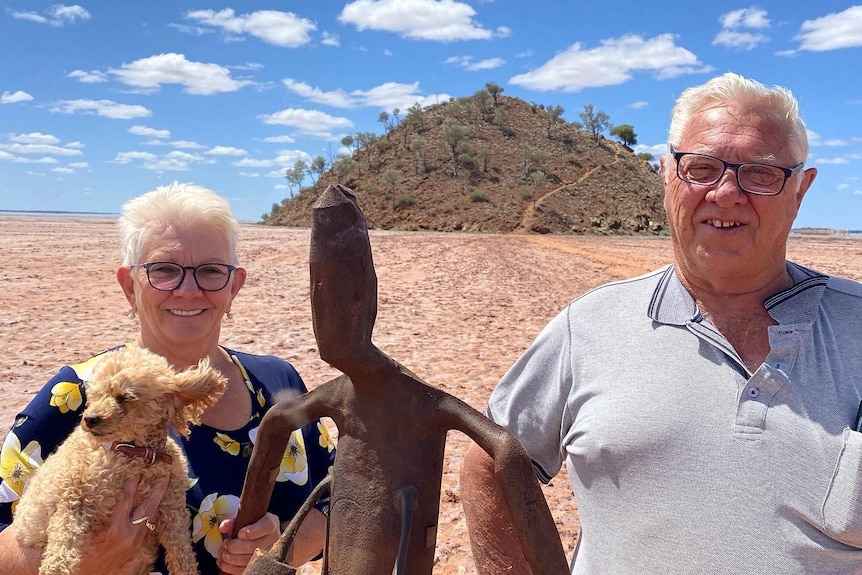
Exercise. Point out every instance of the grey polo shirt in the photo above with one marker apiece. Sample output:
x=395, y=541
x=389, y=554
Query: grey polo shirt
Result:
x=681, y=460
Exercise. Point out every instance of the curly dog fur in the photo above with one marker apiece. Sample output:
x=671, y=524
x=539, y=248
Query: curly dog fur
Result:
x=134, y=397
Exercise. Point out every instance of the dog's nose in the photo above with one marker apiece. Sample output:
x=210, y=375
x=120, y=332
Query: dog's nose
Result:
x=92, y=420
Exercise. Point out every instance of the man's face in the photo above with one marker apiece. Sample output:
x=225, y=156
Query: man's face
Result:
x=724, y=238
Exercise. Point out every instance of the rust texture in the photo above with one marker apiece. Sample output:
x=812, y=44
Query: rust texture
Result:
x=385, y=484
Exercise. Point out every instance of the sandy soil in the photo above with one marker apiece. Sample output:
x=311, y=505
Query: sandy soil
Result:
x=457, y=309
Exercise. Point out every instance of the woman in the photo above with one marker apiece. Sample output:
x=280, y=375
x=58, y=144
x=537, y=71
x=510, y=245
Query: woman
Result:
x=180, y=275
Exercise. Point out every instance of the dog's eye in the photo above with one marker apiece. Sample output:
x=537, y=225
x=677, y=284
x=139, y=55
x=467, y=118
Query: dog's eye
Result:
x=123, y=398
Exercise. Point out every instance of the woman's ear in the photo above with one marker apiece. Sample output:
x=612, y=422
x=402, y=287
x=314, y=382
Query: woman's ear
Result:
x=127, y=283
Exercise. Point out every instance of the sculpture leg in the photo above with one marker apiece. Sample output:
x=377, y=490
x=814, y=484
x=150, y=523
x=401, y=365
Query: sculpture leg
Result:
x=406, y=501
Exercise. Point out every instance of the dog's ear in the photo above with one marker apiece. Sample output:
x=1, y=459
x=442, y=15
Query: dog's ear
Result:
x=194, y=390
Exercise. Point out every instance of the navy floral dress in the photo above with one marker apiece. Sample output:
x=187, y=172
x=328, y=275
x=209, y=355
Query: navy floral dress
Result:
x=217, y=459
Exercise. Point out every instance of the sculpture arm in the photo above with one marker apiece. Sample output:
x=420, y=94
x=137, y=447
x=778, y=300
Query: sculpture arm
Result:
x=505, y=508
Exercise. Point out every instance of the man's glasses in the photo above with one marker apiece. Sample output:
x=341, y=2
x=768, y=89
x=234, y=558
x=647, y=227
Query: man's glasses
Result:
x=168, y=276
x=752, y=177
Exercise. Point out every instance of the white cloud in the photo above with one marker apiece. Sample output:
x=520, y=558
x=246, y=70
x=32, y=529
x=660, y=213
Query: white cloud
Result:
x=284, y=29
x=833, y=31
x=61, y=170
x=330, y=39
x=437, y=20
x=639, y=105
x=613, y=63
x=468, y=64
x=78, y=165
x=104, y=108
x=175, y=161
x=745, y=18
x=187, y=144
x=740, y=40
x=226, y=151
x=91, y=77
x=14, y=98
x=252, y=163
x=139, y=130
x=736, y=26
x=57, y=15
x=279, y=140
x=250, y=174
x=389, y=95
x=198, y=78
x=312, y=123
x=20, y=145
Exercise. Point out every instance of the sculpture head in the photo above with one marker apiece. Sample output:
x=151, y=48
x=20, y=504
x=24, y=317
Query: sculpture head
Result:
x=343, y=281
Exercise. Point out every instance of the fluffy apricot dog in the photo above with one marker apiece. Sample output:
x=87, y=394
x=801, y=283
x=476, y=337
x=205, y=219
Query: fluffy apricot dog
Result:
x=133, y=398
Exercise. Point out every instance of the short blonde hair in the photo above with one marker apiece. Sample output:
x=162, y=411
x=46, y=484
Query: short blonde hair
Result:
x=729, y=88
x=182, y=203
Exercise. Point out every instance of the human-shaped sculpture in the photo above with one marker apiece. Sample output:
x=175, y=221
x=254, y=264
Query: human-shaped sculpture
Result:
x=385, y=484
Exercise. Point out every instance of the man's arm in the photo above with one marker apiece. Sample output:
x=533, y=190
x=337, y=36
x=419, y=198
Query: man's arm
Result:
x=493, y=539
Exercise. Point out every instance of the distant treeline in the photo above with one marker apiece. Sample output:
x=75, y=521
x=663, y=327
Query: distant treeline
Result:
x=58, y=213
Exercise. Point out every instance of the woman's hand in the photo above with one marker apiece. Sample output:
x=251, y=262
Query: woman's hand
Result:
x=234, y=554
x=120, y=539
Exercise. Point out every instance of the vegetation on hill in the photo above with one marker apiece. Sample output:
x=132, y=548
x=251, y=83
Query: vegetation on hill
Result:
x=489, y=163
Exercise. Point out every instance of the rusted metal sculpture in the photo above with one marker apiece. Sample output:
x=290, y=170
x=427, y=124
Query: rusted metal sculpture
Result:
x=385, y=484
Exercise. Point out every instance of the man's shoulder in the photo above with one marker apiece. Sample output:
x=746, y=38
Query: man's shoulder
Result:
x=632, y=287
x=839, y=284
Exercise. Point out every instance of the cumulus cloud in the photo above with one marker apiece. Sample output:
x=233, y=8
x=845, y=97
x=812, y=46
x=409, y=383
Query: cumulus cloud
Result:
x=198, y=78
x=284, y=29
x=741, y=29
x=21, y=148
x=57, y=15
x=15, y=97
x=470, y=65
x=833, y=31
x=388, y=95
x=145, y=131
x=437, y=20
x=104, y=108
x=312, y=123
x=226, y=151
x=92, y=77
x=611, y=64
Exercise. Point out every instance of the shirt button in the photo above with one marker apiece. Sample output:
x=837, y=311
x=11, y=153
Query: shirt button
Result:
x=754, y=392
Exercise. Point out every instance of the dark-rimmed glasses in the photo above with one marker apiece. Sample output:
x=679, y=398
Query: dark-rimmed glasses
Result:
x=168, y=276
x=752, y=177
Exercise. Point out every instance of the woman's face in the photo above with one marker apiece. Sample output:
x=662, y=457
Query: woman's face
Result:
x=186, y=321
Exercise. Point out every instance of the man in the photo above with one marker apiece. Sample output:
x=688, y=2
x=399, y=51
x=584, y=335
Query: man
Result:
x=706, y=412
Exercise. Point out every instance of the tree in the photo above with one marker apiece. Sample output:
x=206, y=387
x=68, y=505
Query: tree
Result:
x=296, y=175
x=625, y=133
x=387, y=121
x=495, y=90
x=555, y=116
x=318, y=166
x=454, y=133
x=595, y=122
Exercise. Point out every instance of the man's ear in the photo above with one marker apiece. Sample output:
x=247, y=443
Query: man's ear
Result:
x=807, y=179
x=663, y=169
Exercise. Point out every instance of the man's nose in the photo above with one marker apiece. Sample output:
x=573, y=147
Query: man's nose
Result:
x=727, y=191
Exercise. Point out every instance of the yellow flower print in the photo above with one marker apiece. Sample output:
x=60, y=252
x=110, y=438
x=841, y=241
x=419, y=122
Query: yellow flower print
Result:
x=324, y=440
x=261, y=400
x=294, y=463
x=16, y=467
x=66, y=396
x=214, y=509
x=227, y=444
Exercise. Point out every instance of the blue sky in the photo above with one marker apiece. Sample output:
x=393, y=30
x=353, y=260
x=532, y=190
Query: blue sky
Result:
x=103, y=100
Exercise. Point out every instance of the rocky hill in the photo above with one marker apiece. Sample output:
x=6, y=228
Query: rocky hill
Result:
x=490, y=163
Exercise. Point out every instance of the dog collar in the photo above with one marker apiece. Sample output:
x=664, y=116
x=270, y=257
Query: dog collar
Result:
x=149, y=454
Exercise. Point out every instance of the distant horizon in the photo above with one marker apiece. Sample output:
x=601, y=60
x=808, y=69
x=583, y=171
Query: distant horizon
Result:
x=115, y=215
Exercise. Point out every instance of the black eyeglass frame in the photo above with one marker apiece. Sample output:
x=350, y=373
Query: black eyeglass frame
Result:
x=194, y=269
x=788, y=172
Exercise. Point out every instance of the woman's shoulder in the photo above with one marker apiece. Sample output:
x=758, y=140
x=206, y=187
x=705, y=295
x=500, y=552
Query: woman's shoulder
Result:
x=268, y=370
